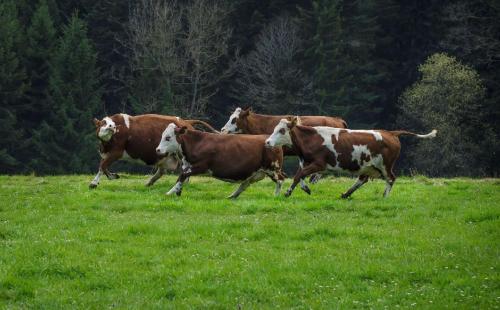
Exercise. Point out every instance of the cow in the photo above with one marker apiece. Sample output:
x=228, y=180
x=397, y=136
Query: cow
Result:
x=246, y=121
x=128, y=137
x=231, y=158
x=366, y=153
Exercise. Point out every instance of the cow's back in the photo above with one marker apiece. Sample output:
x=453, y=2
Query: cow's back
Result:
x=231, y=157
x=143, y=135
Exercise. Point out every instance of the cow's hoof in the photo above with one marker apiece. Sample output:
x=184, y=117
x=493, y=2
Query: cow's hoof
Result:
x=148, y=184
x=92, y=185
x=288, y=193
x=178, y=193
x=344, y=196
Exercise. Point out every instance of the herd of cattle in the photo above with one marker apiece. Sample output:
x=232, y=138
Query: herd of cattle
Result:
x=249, y=147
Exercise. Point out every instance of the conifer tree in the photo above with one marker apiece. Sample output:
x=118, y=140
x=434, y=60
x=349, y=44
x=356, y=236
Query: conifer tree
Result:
x=12, y=87
x=65, y=141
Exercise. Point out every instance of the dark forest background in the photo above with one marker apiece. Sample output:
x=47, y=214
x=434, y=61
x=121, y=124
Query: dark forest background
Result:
x=414, y=65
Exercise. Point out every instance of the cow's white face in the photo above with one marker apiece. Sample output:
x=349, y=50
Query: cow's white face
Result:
x=280, y=136
x=107, y=129
x=231, y=126
x=168, y=142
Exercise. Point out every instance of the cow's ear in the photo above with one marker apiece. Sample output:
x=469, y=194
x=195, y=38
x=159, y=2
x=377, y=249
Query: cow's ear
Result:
x=181, y=131
x=97, y=123
x=245, y=112
x=293, y=122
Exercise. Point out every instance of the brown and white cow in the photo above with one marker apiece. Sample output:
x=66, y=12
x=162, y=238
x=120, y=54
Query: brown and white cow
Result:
x=366, y=153
x=248, y=122
x=231, y=158
x=135, y=138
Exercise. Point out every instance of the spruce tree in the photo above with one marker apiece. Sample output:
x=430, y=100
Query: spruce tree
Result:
x=41, y=41
x=12, y=87
x=65, y=141
x=340, y=42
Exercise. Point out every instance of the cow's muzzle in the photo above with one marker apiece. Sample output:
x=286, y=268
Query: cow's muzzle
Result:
x=268, y=144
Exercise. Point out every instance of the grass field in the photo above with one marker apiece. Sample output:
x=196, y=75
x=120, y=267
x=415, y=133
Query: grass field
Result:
x=434, y=243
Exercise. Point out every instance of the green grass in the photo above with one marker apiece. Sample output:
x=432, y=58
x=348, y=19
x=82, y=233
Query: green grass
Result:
x=433, y=244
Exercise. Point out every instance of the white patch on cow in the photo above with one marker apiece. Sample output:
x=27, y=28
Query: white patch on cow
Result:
x=126, y=119
x=178, y=118
x=326, y=134
x=168, y=142
x=328, y=131
x=107, y=130
x=358, y=151
x=186, y=166
x=376, y=134
x=336, y=132
x=175, y=189
x=103, y=155
x=281, y=135
x=230, y=126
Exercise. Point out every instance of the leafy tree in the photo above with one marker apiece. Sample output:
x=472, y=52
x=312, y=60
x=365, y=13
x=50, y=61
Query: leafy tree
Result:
x=449, y=97
x=12, y=87
x=65, y=140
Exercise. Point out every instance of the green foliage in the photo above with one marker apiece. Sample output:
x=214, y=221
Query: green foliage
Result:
x=65, y=140
x=41, y=43
x=339, y=50
x=12, y=86
x=448, y=97
x=432, y=244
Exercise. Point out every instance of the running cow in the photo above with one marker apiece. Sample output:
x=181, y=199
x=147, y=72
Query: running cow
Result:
x=231, y=158
x=128, y=137
x=366, y=153
x=246, y=121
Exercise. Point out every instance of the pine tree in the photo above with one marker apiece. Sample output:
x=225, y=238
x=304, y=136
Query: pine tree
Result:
x=12, y=87
x=41, y=39
x=340, y=42
x=65, y=140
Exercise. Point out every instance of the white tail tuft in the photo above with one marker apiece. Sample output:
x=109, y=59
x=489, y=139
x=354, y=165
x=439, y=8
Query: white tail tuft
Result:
x=430, y=135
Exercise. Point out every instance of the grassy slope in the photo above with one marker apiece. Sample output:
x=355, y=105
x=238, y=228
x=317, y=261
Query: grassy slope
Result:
x=433, y=243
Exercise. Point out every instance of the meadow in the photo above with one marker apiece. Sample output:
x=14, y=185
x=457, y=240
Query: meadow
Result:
x=434, y=243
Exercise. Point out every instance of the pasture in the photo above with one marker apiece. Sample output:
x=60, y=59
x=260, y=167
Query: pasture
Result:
x=434, y=243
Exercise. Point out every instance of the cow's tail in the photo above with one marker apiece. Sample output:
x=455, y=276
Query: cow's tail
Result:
x=193, y=122
x=430, y=135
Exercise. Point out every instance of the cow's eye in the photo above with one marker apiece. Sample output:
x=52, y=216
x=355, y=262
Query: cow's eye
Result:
x=282, y=131
x=233, y=121
x=167, y=138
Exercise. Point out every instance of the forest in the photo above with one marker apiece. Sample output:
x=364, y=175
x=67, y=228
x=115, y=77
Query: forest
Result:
x=385, y=64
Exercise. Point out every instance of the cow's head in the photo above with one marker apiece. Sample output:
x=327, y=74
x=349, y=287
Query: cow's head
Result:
x=105, y=129
x=237, y=121
x=281, y=134
x=169, y=143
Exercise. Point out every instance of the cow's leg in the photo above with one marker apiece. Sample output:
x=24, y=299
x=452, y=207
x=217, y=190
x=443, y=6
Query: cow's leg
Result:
x=303, y=184
x=257, y=176
x=278, y=178
x=158, y=173
x=315, y=178
x=362, y=179
x=106, y=161
x=389, y=179
x=302, y=173
x=191, y=170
